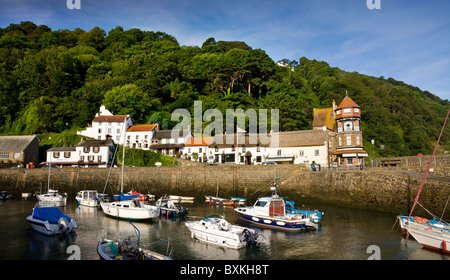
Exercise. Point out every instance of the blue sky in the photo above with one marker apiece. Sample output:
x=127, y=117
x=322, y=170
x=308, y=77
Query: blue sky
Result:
x=408, y=40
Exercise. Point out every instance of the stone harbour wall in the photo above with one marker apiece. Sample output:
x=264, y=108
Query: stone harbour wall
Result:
x=376, y=189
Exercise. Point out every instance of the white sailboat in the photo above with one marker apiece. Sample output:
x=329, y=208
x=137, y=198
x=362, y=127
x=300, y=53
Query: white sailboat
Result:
x=52, y=195
x=431, y=235
x=129, y=209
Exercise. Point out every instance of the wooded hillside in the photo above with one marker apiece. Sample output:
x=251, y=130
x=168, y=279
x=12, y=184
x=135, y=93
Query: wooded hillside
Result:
x=55, y=80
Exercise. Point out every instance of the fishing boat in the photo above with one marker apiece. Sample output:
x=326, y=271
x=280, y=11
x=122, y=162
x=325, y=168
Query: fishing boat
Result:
x=216, y=230
x=431, y=235
x=51, y=221
x=314, y=215
x=126, y=208
x=108, y=249
x=270, y=211
x=88, y=198
x=169, y=208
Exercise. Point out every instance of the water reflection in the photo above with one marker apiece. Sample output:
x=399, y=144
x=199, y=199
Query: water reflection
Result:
x=345, y=235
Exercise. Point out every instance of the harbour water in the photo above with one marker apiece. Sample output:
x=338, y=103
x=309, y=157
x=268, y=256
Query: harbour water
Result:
x=345, y=234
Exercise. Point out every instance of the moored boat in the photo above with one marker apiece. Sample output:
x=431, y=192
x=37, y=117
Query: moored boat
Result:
x=216, y=230
x=169, y=208
x=5, y=195
x=108, y=249
x=51, y=221
x=270, y=211
x=223, y=201
x=88, y=198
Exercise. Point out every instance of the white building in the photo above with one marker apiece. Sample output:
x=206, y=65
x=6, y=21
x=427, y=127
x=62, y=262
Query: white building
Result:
x=196, y=149
x=170, y=142
x=300, y=147
x=238, y=148
x=140, y=136
x=87, y=153
x=106, y=124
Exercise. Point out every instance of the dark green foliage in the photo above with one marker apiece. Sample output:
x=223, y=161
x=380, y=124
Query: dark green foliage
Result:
x=54, y=81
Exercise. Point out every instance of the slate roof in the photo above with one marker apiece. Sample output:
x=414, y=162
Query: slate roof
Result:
x=16, y=143
x=299, y=138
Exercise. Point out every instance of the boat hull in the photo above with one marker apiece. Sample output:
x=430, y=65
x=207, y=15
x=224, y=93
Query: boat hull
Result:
x=274, y=222
x=438, y=240
x=105, y=252
x=124, y=210
x=220, y=238
x=49, y=229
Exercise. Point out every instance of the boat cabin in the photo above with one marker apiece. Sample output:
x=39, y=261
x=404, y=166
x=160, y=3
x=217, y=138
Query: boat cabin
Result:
x=269, y=206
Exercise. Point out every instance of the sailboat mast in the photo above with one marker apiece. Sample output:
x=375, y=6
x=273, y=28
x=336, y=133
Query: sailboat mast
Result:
x=429, y=165
x=123, y=159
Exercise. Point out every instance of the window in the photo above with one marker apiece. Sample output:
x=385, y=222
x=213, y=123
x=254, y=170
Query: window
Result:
x=82, y=158
x=356, y=110
x=200, y=150
x=96, y=149
x=118, y=131
x=258, y=158
x=217, y=149
x=99, y=158
x=99, y=130
x=349, y=140
x=243, y=148
x=347, y=110
x=340, y=141
x=301, y=153
x=189, y=150
x=329, y=144
x=357, y=140
x=86, y=149
x=67, y=154
x=349, y=161
x=108, y=130
x=278, y=152
x=258, y=149
x=233, y=148
x=338, y=112
x=56, y=154
x=316, y=153
x=4, y=155
x=90, y=158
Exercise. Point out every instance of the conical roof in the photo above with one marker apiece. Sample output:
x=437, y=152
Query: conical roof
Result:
x=347, y=103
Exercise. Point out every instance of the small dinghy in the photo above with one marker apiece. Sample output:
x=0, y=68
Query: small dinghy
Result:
x=125, y=250
x=216, y=230
x=51, y=221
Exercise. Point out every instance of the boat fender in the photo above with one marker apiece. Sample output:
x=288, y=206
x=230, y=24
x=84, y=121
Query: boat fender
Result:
x=420, y=220
x=444, y=246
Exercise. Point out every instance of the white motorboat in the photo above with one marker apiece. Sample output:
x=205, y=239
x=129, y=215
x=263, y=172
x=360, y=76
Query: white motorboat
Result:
x=88, y=198
x=216, y=230
x=51, y=221
x=168, y=207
